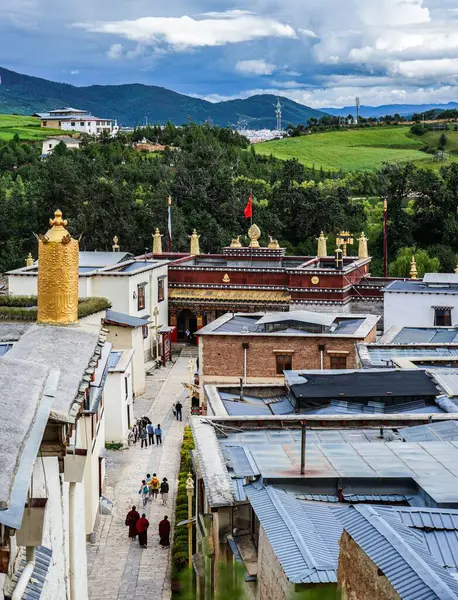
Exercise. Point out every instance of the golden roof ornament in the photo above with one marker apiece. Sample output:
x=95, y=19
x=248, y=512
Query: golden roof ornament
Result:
x=157, y=241
x=29, y=260
x=273, y=243
x=344, y=239
x=254, y=233
x=456, y=270
x=322, y=247
x=195, y=246
x=413, y=269
x=235, y=242
x=115, y=244
x=226, y=278
x=57, y=274
x=362, y=248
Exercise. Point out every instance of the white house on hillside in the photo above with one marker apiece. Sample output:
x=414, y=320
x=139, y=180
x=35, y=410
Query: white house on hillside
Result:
x=49, y=144
x=427, y=303
x=75, y=119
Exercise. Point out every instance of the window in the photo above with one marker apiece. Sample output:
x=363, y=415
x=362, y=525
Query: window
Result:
x=160, y=290
x=284, y=362
x=49, y=145
x=141, y=297
x=82, y=123
x=73, y=123
x=44, y=123
x=338, y=362
x=442, y=316
x=145, y=331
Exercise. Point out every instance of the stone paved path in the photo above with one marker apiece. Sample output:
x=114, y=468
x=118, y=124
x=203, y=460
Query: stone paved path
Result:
x=118, y=569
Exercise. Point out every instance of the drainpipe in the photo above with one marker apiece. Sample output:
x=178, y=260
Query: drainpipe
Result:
x=321, y=348
x=245, y=347
x=303, y=448
x=26, y=573
x=72, y=537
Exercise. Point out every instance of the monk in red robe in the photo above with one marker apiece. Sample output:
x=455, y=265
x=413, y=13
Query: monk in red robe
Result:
x=131, y=522
x=164, y=532
x=142, y=528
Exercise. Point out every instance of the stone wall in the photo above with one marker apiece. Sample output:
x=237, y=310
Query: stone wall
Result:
x=272, y=581
x=223, y=355
x=358, y=577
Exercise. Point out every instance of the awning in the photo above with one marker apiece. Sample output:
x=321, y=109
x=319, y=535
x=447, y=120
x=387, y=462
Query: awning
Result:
x=233, y=295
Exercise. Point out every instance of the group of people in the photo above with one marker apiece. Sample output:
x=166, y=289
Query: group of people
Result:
x=138, y=525
x=151, y=487
x=145, y=431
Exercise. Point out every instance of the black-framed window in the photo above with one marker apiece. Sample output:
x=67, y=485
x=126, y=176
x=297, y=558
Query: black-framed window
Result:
x=160, y=290
x=338, y=362
x=141, y=297
x=145, y=331
x=442, y=316
x=283, y=362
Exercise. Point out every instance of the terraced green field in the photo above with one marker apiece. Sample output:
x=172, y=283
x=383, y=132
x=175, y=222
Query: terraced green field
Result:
x=27, y=128
x=352, y=150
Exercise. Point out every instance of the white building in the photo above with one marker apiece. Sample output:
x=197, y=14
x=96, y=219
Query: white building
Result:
x=137, y=288
x=77, y=120
x=118, y=393
x=427, y=303
x=49, y=144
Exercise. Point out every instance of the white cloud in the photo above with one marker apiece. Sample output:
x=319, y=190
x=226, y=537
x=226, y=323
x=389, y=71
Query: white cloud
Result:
x=115, y=51
x=185, y=32
x=307, y=33
x=255, y=67
x=425, y=69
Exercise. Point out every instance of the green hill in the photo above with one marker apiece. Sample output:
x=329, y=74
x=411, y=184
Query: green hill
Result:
x=131, y=103
x=352, y=149
x=27, y=128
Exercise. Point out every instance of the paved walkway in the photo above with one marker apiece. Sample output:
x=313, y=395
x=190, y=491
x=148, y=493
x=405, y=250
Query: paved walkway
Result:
x=118, y=569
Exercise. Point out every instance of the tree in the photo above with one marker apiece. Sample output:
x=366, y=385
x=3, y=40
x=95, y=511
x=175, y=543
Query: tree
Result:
x=425, y=264
x=442, y=141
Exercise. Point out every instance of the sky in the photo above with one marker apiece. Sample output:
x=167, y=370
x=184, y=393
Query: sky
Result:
x=321, y=53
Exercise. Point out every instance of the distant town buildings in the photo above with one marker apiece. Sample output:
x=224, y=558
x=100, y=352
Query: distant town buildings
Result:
x=77, y=120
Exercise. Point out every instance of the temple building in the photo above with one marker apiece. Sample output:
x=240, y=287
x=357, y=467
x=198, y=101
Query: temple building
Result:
x=256, y=278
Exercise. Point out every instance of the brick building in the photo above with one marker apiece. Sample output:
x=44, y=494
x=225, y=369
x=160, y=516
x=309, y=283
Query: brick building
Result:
x=260, y=347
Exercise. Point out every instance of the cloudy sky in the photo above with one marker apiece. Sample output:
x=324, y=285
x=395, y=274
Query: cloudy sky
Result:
x=318, y=52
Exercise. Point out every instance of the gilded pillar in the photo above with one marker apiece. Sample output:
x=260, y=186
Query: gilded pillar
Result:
x=362, y=248
x=29, y=260
x=195, y=247
x=413, y=269
x=57, y=274
x=322, y=247
x=157, y=241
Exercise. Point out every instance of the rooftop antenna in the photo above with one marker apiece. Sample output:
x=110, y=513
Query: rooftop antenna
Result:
x=358, y=106
x=278, y=108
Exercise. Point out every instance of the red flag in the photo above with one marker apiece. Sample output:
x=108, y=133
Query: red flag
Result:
x=248, y=212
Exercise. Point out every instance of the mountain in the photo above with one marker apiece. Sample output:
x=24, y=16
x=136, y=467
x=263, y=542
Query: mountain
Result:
x=389, y=109
x=132, y=103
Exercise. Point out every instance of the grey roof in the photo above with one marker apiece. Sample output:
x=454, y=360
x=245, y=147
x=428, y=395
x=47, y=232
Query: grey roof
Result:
x=342, y=407
x=303, y=316
x=447, y=379
x=11, y=332
x=418, y=287
x=427, y=335
x=374, y=355
x=68, y=349
x=434, y=278
x=304, y=538
x=117, y=318
x=22, y=387
x=5, y=347
x=113, y=359
x=253, y=405
x=433, y=432
x=64, y=138
x=34, y=588
x=102, y=259
x=400, y=553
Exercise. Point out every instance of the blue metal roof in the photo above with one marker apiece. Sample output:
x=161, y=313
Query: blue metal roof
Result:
x=34, y=588
x=420, y=288
x=253, y=405
x=337, y=407
x=433, y=432
x=426, y=335
x=380, y=355
x=304, y=538
x=400, y=552
x=113, y=359
x=118, y=318
x=4, y=348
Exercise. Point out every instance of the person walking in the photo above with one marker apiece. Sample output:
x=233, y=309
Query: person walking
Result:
x=144, y=491
x=188, y=335
x=149, y=484
x=150, y=430
x=164, y=532
x=158, y=432
x=155, y=485
x=165, y=491
x=142, y=528
x=143, y=437
x=178, y=409
x=131, y=522
x=135, y=431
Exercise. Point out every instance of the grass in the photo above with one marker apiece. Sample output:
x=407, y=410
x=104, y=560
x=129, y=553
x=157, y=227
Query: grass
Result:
x=27, y=128
x=353, y=149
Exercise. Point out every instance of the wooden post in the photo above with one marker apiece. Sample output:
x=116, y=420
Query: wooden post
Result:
x=303, y=448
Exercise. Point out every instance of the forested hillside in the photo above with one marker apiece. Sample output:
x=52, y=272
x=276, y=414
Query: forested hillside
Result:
x=109, y=188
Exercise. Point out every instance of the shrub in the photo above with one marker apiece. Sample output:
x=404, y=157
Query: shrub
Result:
x=24, y=308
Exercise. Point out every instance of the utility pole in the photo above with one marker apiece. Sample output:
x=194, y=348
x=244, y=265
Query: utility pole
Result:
x=358, y=105
x=278, y=108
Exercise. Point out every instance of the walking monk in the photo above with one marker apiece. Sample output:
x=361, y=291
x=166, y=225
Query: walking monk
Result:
x=131, y=522
x=164, y=532
x=142, y=528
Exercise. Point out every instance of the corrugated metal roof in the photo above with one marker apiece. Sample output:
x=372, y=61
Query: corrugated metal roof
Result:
x=400, y=552
x=418, y=287
x=426, y=335
x=302, y=316
x=448, y=380
x=238, y=484
x=441, y=278
x=433, y=432
x=102, y=259
x=337, y=407
x=34, y=588
x=113, y=359
x=122, y=319
x=379, y=355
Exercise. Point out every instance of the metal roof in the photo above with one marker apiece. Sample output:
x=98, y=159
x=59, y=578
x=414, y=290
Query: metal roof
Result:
x=4, y=348
x=379, y=356
x=440, y=278
x=34, y=588
x=400, y=552
x=426, y=335
x=252, y=405
x=418, y=287
x=433, y=432
x=102, y=259
x=117, y=318
x=448, y=381
x=343, y=407
x=113, y=359
x=302, y=316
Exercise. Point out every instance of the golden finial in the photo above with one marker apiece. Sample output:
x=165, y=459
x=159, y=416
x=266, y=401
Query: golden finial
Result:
x=273, y=243
x=235, y=243
x=58, y=221
x=115, y=244
x=456, y=270
x=29, y=260
x=58, y=230
x=344, y=239
x=157, y=241
x=413, y=269
x=322, y=247
x=385, y=205
x=362, y=248
x=254, y=233
x=195, y=248
x=226, y=278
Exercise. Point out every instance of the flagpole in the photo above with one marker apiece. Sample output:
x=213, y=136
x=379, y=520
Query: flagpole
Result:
x=385, y=239
x=251, y=225
x=169, y=203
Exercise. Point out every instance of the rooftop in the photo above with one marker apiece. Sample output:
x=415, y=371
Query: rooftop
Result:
x=442, y=285
x=292, y=323
x=116, y=318
x=376, y=355
x=420, y=335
